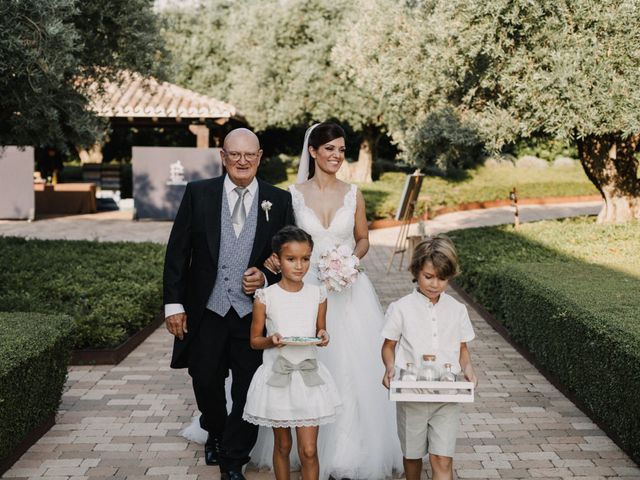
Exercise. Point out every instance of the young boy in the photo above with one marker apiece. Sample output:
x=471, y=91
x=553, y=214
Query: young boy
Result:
x=428, y=321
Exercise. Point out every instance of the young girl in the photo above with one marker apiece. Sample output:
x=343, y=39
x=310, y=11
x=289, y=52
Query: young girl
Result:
x=428, y=321
x=291, y=388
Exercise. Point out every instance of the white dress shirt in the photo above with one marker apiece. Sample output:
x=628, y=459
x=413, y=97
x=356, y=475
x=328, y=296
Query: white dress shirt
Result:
x=420, y=328
x=232, y=197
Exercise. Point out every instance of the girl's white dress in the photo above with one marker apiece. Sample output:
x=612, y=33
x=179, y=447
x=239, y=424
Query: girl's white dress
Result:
x=363, y=442
x=291, y=314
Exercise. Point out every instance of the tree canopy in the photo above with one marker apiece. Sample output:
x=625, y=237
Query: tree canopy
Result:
x=51, y=50
x=195, y=38
x=273, y=60
x=513, y=69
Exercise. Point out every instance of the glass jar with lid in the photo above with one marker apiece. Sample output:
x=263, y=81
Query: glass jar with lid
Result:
x=448, y=376
x=408, y=374
x=428, y=371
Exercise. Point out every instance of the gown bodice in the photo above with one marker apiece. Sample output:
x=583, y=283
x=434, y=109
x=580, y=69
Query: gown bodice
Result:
x=339, y=231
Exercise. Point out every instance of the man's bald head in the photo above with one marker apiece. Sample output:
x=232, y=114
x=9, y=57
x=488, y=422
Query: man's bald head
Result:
x=244, y=135
x=241, y=156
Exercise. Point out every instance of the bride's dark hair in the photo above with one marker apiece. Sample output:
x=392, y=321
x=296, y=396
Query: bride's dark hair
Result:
x=323, y=133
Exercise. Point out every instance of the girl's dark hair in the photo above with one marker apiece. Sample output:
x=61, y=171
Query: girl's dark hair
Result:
x=324, y=133
x=290, y=233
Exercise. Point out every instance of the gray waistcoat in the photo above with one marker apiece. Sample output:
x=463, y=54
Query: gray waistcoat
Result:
x=233, y=258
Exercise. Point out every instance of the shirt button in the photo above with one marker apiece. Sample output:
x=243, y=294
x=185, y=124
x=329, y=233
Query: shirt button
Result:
x=226, y=279
x=229, y=290
x=224, y=266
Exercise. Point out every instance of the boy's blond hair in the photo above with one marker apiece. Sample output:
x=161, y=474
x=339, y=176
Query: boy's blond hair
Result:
x=438, y=250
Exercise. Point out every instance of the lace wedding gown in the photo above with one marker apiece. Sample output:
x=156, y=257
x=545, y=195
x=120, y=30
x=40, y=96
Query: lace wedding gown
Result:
x=362, y=443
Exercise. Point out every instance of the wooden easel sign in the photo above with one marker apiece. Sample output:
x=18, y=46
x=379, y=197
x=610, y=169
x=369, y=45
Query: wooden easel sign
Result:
x=406, y=208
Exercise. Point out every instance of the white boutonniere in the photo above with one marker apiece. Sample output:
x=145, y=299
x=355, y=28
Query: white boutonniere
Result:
x=266, y=206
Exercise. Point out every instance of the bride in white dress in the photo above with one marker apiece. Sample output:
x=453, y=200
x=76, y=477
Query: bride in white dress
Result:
x=362, y=443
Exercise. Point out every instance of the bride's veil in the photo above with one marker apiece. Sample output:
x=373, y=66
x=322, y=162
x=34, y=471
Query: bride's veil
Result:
x=303, y=166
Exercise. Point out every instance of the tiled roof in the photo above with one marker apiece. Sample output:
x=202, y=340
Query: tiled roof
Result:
x=137, y=96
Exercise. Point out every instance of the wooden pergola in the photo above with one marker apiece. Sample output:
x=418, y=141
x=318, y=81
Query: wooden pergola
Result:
x=138, y=101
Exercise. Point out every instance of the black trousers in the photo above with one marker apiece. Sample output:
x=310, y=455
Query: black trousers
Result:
x=222, y=345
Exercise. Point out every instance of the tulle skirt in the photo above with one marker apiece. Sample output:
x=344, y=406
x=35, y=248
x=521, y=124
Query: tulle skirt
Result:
x=295, y=405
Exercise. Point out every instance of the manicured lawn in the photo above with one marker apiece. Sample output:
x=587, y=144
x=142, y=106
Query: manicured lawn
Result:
x=580, y=239
x=481, y=184
x=569, y=292
x=111, y=290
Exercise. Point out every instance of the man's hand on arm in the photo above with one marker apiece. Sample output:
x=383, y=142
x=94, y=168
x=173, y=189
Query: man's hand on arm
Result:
x=252, y=280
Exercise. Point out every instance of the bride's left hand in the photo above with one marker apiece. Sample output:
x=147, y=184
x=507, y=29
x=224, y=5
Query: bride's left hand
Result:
x=325, y=338
x=273, y=263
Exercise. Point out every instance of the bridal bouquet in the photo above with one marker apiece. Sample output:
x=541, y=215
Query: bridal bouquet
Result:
x=338, y=268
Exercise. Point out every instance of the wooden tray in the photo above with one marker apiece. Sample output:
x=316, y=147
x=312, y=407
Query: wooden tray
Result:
x=415, y=391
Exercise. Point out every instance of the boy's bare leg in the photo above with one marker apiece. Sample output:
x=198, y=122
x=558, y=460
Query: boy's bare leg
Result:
x=441, y=466
x=412, y=468
x=308, y=452
x=281, y=451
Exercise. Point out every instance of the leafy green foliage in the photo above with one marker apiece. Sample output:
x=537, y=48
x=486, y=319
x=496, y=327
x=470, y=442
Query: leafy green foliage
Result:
x=443, y=141
x=111, y=290
x=568, y=292
x=274, y=169
x=52, y=49
x=34, y=354
x=196, y=41
x=545, y=148
x=271, y=59
x=511, y=69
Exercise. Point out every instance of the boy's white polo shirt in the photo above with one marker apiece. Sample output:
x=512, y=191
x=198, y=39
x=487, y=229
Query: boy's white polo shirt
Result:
x=420, y=328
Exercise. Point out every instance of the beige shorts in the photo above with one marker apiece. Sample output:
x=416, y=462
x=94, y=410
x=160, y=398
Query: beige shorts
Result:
x=425, y=427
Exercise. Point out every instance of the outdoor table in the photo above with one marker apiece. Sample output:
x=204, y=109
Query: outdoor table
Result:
x=70, y=198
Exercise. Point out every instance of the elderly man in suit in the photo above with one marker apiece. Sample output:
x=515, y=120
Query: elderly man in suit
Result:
x=220, y=239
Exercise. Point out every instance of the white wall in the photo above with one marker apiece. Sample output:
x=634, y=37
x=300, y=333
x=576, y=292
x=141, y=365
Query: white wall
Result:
x=17, y=198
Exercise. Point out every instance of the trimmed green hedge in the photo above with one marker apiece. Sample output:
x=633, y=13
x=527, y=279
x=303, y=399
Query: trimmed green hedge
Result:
x=112, y=290
x=579, y=319
x=34, y=354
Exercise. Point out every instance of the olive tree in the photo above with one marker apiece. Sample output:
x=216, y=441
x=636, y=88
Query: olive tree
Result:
x=52, y=50
x=512, y=69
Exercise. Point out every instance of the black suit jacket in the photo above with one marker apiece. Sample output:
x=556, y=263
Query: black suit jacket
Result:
x=191, y=261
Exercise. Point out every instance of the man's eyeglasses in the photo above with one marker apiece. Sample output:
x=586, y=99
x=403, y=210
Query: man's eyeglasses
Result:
x=236, y=156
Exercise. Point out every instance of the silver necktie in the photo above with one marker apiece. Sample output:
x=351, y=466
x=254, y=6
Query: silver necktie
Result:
x=239, y=214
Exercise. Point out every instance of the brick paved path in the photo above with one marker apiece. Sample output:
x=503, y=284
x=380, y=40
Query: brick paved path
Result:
x=123, y=421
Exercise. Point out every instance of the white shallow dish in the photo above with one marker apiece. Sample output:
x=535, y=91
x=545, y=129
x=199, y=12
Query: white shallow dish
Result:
x=301, y=341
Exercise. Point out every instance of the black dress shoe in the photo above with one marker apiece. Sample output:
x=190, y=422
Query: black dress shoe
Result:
x=232, y=475
x=212, y=451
